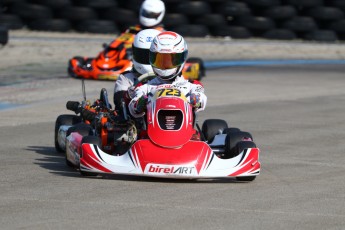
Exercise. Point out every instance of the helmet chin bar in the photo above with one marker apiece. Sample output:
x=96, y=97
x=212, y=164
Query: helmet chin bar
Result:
x=167, y=74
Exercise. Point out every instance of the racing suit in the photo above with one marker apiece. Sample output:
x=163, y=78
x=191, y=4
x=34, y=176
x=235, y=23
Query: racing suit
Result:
x=123, y=90
x=186, y=87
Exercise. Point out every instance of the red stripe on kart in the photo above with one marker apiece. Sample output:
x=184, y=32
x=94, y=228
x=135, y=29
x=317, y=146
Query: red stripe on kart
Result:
x=135, y=156
x=251, y=163
x=90, y=158
x=202, y=159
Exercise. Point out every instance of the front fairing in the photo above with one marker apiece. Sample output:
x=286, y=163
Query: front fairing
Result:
x=169, y=119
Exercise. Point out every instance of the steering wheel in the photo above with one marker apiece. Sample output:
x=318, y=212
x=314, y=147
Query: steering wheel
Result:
x=145, y=77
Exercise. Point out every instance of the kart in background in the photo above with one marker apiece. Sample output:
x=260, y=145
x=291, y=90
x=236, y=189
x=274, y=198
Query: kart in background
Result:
x=168, y=144
x=116, y=58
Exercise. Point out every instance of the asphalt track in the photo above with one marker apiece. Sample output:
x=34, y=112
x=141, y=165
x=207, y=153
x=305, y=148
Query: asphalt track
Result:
x=295, y=113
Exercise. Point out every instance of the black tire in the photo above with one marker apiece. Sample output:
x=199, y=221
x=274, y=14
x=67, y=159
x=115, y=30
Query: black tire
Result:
x=9, y=2
x=263, y=3
x=202, y=72
x=212, y=127
x=31, y=11
x=3, y=35
x=82, y=128
x=192, y=30
x=193, y=8
x=91, y=140
x=65, y=119
x=58, y=25
x=339, y=4
x=256, y=23
x=99, y=4
x=280, y=12
x=300, y=24
x=233, y=9
x=246, y=178
x=175, y=19
x=54, y=4
x=11, y=21
x=322, y=36
x=231, y=130
x=280, y=34
x=211, y=20
x=77, y=13
x=231, y=141
x=305, y=3
x=326, y=13
x=236, y=32
x=97, y=26
x=338, y=26
x=133, y=5
x=124, y=18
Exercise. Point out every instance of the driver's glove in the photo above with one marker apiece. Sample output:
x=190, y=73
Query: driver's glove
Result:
x=141, y=104
x=131, y=91
x=194, y=100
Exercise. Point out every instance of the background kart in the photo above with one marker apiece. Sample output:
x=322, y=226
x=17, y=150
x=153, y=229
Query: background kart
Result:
x=172, y=147
x=116, y=58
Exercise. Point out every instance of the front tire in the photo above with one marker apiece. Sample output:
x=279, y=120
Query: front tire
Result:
x=234, y=145
x=212, y=127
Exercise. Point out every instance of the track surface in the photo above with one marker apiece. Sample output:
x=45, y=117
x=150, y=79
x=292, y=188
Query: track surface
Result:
x=295, y=113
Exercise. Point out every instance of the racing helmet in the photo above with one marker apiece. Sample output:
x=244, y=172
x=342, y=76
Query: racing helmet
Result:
x=141, y=48
x=168, y=54
x=151, y=13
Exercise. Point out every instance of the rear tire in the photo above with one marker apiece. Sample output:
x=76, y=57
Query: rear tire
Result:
x=212, y=127
x=231, y=130
x=65, y=119
x=82, y=129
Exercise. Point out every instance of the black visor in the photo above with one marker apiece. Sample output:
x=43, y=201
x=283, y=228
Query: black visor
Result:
x=149, y=14
x=141, y=55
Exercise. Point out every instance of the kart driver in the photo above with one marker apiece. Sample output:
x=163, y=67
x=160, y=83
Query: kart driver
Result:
x=151, y=15
x=123, y=90
x=168, y=54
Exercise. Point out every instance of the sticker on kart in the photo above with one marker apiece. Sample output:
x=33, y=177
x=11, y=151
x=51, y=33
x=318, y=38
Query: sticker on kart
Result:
x=163, y=170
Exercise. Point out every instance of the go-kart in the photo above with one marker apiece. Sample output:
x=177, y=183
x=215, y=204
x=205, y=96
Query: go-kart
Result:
x=116, y=57
x=172, y=146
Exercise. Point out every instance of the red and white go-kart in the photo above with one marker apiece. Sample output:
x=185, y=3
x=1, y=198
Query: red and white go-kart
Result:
x=172, y=147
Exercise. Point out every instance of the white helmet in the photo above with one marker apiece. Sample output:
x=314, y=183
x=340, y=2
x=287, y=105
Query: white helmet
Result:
x=151, y=13
x=168, y=54
x=141, y=48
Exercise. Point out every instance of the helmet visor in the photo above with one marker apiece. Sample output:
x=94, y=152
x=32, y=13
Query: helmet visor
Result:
x=150, y=14
x=141, y=55
x=167, y=60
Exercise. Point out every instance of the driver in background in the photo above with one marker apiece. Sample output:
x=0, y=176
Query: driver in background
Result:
x=151, y=15
x=168, y=54
x=124, y=85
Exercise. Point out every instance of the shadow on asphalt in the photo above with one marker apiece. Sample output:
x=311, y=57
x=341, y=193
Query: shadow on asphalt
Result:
x=55, y=163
